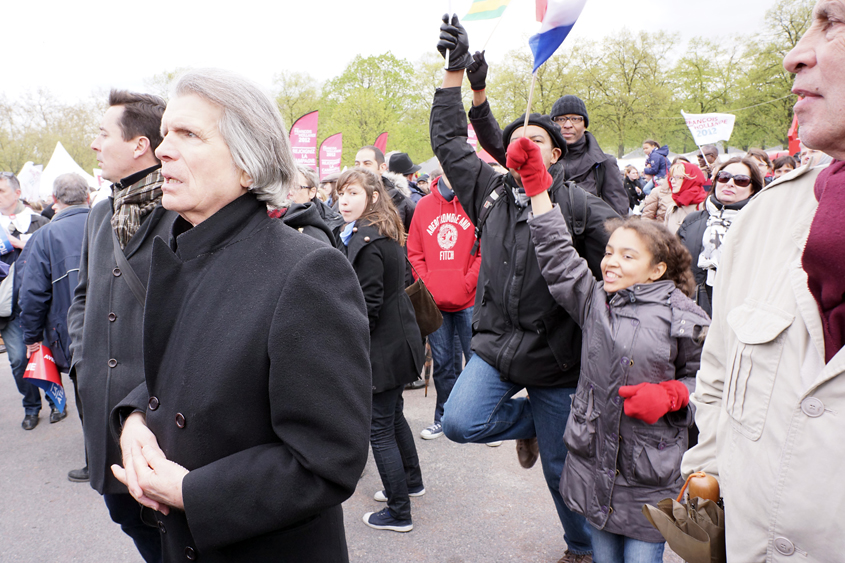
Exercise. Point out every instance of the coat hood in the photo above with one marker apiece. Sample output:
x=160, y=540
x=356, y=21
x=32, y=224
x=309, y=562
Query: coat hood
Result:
x=664, y=150
x=397, y=181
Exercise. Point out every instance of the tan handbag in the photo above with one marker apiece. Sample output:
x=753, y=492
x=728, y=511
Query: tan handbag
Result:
x=429, y=317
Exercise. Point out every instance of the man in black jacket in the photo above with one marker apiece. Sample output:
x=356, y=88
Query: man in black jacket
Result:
x=583, y=163
x=105, y=318
x=521, y=338
x=371, y=157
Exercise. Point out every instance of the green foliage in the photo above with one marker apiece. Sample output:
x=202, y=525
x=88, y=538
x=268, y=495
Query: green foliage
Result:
x=297, y=94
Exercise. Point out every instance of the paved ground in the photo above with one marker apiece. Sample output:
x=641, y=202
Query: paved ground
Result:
x=480, y=505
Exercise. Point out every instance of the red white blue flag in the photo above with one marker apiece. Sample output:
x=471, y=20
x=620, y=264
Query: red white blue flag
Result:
x=557, y=17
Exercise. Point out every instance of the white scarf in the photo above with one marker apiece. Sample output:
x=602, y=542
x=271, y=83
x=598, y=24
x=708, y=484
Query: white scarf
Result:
x=20, y=221
x=718, y=223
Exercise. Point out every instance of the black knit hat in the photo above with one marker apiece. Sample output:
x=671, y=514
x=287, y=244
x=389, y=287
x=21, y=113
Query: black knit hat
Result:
x=571, y=105
x=539, y=120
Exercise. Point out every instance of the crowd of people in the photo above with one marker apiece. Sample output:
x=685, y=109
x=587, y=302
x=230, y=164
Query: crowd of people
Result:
x=661, y=320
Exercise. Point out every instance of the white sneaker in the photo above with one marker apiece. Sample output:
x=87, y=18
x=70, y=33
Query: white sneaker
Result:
x=381, y=496
x=432, y=432
x=494, y=444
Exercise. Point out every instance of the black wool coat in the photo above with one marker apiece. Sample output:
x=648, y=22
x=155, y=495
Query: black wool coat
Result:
x=105, y=322
x=256, y=356
x=517, y=327
x=396, y=346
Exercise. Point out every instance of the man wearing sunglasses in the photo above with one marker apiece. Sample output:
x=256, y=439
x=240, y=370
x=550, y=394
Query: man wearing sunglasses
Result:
x=770, y=392
x=584, y=162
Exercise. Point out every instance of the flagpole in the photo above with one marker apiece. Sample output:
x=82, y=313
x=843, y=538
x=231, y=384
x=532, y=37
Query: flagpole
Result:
x=530, y=99
x=492, y=32
x=446, y=67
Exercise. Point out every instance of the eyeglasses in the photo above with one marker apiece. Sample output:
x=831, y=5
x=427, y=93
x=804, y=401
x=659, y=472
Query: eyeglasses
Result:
x=740, y=180
x=574, y=119
x=297, y=188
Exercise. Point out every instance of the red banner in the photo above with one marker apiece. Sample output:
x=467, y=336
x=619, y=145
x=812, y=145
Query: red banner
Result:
x=303, y=140
x=42, y=372
x=794, y=146
x=381, y=142
x=331, y=149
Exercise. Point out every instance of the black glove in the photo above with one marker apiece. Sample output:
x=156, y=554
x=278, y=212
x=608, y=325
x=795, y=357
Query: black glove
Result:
x=454, y=38
x=477, y=72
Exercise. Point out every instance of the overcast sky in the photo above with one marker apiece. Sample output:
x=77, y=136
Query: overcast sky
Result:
x=74, y=48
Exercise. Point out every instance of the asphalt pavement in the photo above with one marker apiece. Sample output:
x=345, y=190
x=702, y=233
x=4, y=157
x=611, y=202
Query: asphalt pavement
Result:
x=480, y=506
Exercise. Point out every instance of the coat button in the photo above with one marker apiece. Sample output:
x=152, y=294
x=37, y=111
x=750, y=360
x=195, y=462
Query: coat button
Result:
x=190, y=554
x=153, y=403
x=116, y=272
x=354, y=229
x=812, y=407
x=112, y=317
x=180, y=420
x=161, y=527
x=366, y=239
x=784, y=546
x=624, y=361
x=112, y=363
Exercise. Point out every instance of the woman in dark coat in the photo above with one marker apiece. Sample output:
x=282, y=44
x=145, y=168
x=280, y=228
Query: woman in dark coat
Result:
x=702, y=232
x=247, y=435
x=373, y=239
x=633, y=186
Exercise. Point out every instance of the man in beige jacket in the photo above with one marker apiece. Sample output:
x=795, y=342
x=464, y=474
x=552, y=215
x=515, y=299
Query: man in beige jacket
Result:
x=770, y=394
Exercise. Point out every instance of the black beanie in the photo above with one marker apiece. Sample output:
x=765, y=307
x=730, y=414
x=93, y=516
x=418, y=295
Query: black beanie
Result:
x=539, y=120
x=571, y=105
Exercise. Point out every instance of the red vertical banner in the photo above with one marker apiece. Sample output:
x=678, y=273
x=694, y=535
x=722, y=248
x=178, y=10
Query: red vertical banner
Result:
x=303, y=139
x=381, y=142
x=331, y=149
x=472, y=138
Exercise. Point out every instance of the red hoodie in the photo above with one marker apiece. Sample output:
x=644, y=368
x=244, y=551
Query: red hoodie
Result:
x=439, y=245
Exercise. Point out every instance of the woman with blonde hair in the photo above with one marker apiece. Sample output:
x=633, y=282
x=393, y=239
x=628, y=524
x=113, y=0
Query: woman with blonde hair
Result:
x=372, y=241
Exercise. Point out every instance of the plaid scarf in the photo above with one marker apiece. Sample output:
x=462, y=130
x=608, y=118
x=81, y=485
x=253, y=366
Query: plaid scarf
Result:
x=133, y=203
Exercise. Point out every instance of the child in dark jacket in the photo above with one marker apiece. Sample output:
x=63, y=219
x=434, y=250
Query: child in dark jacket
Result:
x=628, y=427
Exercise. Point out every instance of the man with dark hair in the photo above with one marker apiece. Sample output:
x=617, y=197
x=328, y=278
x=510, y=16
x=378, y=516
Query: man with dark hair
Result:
x=711, y=155
x=583, y=163
x=522, y=339
x=51, y=271
x=20, y=222
x=106, y=315
x=371, y=157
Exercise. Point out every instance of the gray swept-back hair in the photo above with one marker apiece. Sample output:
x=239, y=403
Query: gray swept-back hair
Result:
x=70, y=189
x=252, y=127
x=310, y=176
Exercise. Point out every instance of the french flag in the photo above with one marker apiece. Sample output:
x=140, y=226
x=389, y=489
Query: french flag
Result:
x=557, y=17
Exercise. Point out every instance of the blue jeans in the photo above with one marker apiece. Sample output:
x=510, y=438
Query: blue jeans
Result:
x=394, y=451
x=613, y=548
x=447, y=343
x=482, y=409
x=16, y=350
x=126, y=511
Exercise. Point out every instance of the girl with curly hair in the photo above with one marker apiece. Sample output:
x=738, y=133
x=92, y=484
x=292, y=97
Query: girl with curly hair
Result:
x=642, y=334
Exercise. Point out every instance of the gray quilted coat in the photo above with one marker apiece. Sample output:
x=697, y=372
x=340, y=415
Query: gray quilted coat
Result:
x=646, y=333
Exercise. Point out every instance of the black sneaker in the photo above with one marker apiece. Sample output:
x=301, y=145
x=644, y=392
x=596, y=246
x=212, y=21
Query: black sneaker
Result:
x=78, y=475
x=383, y=520
x=56, y=415
x=30, y=421
x=381, y=495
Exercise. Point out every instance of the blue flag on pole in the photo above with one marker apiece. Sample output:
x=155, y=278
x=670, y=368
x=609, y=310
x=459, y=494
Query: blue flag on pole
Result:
x=557, y=17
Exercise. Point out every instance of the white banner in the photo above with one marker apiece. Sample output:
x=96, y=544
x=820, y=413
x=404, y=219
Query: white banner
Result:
x=707, y=128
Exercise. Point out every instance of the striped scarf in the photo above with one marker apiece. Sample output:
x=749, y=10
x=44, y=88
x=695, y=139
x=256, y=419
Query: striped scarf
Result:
x=133, y=203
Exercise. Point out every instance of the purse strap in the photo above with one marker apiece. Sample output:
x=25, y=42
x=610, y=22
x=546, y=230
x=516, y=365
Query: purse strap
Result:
x=128, y=271
x=419, y=277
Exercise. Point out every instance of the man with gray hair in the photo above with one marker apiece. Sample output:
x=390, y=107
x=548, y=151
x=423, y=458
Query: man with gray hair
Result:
x=19, y=222
x=50, y=264
x=105, y=317
x=247, y=433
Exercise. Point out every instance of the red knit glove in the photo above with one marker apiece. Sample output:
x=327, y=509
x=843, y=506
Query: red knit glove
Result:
x=649, y=401
x=525, y=157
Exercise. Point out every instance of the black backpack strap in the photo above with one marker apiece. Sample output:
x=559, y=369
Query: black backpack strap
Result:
x=495, y=197
x=599, y=172
x=125, y=268
x=578, y=208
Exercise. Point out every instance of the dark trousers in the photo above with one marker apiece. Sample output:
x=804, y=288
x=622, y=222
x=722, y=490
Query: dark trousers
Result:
x=394, y=451
x=126, y=511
